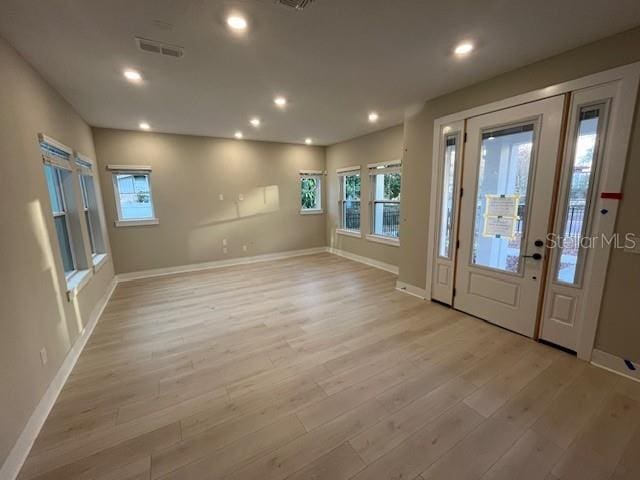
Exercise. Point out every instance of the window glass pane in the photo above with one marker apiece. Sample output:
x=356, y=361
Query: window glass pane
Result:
x=135, y=196
x=352, y=187
x=447, y=200
x=53, y=185
x=386, y=209
x=503, y=179
x=64, y=242
x=386, y=219
x=351, y=204
x=387, y=186
x=84, y=180
x=576, y=210
x=92, y=242
x=86, y=184
x=310, y=193
x=351, y=215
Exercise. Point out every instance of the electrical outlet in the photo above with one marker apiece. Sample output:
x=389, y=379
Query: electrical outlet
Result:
x=244, y=248
x=241, y=197
x=221, y=197
x=225, y=250
x=224, y=242
x=43, y=356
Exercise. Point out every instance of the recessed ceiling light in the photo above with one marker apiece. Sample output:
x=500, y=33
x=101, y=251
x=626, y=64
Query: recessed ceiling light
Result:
x=373, y=117
x=308, y=141
x=237, y=22
x=145, y=126
x=132, y=75
x=238, y=135
x=255, y=121
x=463, y=48
x=280, y=101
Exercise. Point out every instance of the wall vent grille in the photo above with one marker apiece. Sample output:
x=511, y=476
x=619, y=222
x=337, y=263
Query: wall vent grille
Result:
x=297, y=4
x=153, y=46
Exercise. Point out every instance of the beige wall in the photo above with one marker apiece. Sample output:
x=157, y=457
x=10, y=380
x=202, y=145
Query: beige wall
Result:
x=189, y=173
x=619, y=332
x=377, y=147
x=34, y=310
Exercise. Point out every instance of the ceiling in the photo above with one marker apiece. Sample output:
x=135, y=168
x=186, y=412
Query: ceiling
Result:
x=335, y=61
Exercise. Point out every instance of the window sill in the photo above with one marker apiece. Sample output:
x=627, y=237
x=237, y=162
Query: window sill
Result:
x=394, y=242
x=76, y=282
x=98, y=261
x=136, y=223
x=311, y=212
x=348, y=233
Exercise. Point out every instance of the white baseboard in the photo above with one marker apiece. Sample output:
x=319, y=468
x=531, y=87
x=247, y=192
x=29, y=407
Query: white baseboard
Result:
x=22, y=447
x=194, y=267
x=614, y=364
x=411, y=290
x=366, y=260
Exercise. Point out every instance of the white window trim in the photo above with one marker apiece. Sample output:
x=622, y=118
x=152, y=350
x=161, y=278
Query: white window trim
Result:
x=77, y=282
x=394, y=242
x=311, y=211
x=64, y=213
x=99, y=260
x=381, y=168
x=137, y=223
x=129, y=168
x=380, y=165
x=349, y=233
x=346, y=172
x=134, y=222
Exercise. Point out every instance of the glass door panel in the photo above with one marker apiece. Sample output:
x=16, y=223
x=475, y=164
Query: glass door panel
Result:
x=501, y=201
x=576, y=208
x=448, y=198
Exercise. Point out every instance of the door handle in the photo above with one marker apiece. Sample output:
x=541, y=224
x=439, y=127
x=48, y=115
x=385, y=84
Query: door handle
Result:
x=535, y=256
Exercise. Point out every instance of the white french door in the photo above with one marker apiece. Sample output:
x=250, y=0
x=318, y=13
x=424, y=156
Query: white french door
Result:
x=507, y=188
x=520, y=226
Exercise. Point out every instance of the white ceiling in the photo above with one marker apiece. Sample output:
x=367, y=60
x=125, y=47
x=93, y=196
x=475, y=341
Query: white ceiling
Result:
x=335, y=61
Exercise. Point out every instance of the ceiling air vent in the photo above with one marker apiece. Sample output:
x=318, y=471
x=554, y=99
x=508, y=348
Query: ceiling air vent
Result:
x=297, y=4
x=154, y=46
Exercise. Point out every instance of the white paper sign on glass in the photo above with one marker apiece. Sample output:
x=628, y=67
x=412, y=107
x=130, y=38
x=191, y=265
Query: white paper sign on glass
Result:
x=502, y=227
x=502, y=205
x=501, y=216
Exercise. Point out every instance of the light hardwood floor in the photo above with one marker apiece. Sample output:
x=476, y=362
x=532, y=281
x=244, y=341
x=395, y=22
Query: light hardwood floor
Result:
x=316, y=368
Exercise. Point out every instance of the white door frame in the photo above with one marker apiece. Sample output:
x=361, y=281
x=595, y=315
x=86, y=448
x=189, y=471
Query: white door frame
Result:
x=621, y=120
x=442, y=289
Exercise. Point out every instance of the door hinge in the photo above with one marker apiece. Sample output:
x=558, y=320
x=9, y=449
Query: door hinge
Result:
x=457, y=244
x=454, y=292
x=465, y=137
x=461, y=192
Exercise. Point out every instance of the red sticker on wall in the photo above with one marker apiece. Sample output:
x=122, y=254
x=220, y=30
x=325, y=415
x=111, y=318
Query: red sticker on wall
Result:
x=611, y=195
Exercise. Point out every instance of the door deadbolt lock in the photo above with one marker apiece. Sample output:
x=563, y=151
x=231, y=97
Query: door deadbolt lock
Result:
x=539, y=243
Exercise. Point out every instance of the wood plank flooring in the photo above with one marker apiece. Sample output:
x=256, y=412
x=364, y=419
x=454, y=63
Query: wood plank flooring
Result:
x=316, y=368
